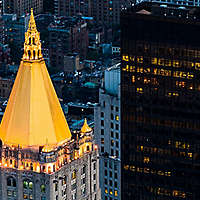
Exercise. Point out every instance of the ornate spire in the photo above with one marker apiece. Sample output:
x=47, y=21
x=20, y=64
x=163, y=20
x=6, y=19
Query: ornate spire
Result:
x=32, y=44
x=85, y=128
x=33, y=112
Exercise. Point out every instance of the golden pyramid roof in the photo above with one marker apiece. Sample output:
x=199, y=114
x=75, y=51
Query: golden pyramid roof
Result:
x=85, y=128
x=33, y=113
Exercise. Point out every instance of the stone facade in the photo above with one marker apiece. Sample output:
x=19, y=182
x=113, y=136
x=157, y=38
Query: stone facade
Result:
x=107, y=135
x=63, y=184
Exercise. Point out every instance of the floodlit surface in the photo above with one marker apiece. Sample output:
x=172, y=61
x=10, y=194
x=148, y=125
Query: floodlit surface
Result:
x=33, y=115
x=85, y=127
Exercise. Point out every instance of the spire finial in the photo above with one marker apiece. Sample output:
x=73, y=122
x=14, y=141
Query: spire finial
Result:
x=32, y=11
x=32, y=45
x=85, y=128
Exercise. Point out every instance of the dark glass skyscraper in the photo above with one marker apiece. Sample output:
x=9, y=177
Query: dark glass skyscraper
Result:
x=160, y=95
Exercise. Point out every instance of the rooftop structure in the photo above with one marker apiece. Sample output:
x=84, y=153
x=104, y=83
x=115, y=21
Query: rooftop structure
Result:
x=39, y=157
x=33, y=93
x=67, y=35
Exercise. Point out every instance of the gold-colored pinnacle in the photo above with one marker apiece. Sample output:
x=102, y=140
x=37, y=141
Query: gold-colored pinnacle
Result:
x=32, y=44
x=85, y=128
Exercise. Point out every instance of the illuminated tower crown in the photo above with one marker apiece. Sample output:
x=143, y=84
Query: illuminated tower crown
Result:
x=33, y=113
x=32, y=45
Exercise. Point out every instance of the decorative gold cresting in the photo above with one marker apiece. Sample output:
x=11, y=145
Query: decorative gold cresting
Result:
x=32, y=44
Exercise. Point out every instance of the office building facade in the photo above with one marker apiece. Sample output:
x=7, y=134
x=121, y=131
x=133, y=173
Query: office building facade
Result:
x=107, y=134
x=160, y=102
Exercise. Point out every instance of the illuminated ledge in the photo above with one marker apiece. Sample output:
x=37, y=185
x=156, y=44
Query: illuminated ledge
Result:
x=37, y=160
x=33, y=61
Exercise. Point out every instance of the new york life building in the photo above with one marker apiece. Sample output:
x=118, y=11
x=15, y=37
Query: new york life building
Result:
x=160, y=109
x=39, y=156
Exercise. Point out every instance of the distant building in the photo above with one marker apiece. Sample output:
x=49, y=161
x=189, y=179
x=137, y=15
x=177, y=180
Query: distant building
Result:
x=67, y=35
x=104, y=12
x=22, y=7
x=108, y=12
x=5, y=87
x=5, y=57
x=72, y=7
x=175, y=2
x=13, y=28
x=71, y=63
x=107, y=134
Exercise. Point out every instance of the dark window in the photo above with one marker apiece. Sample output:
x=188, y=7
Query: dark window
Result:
x=111, y=125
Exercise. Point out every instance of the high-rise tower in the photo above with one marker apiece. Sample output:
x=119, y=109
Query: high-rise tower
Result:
x=21, y=7
x=160, y=107
x=107, y=133
x=40, y=158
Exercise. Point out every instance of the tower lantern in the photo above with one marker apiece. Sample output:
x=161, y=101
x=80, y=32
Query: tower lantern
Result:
x=32, y=44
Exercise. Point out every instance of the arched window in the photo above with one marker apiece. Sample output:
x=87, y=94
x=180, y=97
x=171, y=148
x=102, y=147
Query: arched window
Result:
x=31, y=166
x=74, y=174
x=27, y=184
x=14, y=183
x=34, y=41
x=30, y=185
x=34, y=54
x=11, y=182
x=43, y=189
x=64, y=180
x=83, y=170
x=29, y=54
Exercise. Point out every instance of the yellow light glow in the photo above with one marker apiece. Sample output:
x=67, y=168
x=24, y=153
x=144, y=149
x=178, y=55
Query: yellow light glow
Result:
x=85, y=128
x=33, y=113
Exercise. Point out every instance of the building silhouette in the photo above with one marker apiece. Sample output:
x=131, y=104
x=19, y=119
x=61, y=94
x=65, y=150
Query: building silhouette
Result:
x=39, y=156
x=160, y=92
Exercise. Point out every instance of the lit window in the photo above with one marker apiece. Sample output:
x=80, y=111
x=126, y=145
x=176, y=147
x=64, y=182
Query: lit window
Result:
x=126, y=167
x=117, y=117
x=146, y=159
x=116, y=193
x=9, y=193
x=25, y=184
x=125, y=58
x=42, y=187
x=140, y=90
x=30, y=185
x=74, y=174
x=25, y=196
x=133, y=79
x=190, y=155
